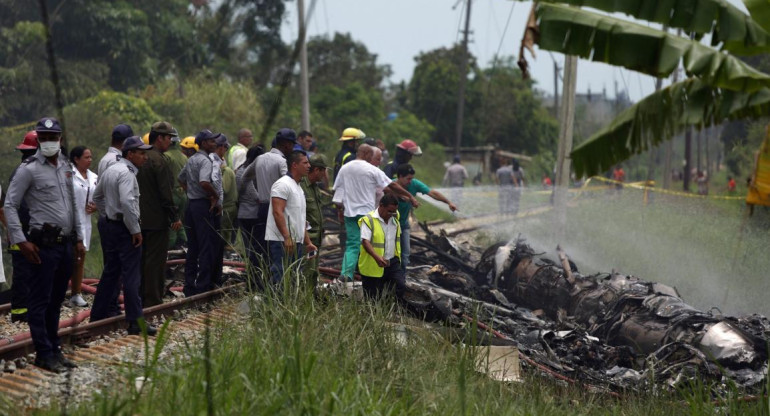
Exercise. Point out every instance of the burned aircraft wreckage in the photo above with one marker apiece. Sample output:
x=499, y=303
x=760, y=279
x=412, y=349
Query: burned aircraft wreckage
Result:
x=605, y=329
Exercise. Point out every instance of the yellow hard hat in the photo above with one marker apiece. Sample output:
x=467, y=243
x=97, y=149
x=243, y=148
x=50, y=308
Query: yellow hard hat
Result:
x=189, y=143
x=146, y=138
x=352, y=133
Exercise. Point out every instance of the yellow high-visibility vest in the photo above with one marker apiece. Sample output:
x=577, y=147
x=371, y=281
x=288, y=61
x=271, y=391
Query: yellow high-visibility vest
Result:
x=367, y=265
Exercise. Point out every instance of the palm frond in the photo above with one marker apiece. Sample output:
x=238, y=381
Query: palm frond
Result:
x=654, y=52
x=662, y=115
x=760, y=12
x=728, y=25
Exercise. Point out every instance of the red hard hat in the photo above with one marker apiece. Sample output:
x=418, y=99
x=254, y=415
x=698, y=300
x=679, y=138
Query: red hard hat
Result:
x=29, y=142
x=410, y=146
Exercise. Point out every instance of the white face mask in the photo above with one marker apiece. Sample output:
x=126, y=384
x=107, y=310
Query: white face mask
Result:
x=49, y=149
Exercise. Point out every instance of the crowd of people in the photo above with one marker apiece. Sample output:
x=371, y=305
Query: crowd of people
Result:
x=160, y=192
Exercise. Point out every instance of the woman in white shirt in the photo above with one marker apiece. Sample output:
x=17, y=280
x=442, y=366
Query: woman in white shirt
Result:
x=84, y=182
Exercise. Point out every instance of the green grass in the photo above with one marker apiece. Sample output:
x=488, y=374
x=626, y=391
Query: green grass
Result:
x=297, y=355
x=300, y=356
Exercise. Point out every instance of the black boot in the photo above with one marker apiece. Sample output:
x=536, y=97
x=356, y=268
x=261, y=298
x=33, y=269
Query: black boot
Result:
x=64, y=361
x=134, y=329
x=50, y=363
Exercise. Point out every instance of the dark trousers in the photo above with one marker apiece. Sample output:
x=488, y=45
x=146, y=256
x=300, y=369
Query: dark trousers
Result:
x=154, y=243
x=202, y=228
x=22, y=272
x=47, y=286
x=280, y=259
x=113, y=308
x=260, y=227
x=219, y=254
x=310, y=267
x=392, y=278
x=122, y=261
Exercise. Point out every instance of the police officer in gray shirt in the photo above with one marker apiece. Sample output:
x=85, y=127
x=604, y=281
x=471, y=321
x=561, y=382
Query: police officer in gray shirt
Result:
x=202, y=218
x=267, y=169
x=119, y=135
x=44, y=182
x=117, y=196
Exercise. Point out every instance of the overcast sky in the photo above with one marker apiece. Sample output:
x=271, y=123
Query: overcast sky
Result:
x=398, y=30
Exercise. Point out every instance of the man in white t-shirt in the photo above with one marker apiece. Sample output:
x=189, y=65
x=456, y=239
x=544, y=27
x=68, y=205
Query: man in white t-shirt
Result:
x=286, y=219
x=355, y=189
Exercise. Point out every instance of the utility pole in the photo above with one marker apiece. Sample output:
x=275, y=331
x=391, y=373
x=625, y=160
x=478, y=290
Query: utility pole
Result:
x=687, y=158
x=566, y=119
x=463, y=80
x=304, y=89
x=555, y=89
x=653, y=151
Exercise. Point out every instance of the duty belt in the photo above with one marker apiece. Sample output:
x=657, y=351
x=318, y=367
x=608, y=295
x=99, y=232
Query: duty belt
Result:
x=118, y=218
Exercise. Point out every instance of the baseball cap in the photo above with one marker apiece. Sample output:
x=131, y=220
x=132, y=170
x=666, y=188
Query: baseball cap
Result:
x=164, y=127
x=221, y=140
x=121, y=132
x=286, y=134
x=319, y=161
x=205, y=134
x=48, y=125
x=135, y=142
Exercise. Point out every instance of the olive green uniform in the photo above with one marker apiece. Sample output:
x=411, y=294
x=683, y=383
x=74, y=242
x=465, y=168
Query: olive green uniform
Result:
x=315, y=202
x=229, y=204
x=177, y=160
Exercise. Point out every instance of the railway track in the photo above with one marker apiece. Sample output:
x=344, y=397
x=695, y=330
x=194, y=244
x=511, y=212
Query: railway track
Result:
x=102, y=350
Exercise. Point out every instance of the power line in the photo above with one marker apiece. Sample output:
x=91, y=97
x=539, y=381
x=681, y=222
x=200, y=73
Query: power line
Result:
x=502, y=37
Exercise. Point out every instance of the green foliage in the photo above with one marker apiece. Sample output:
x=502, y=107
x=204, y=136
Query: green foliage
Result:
x=639, y=48
x=340, y=61
x=740, y=154
x=660, y=116
x=351, y=105
x=724, y=22
x=510, y=114
x=243, y=38
x=432, y=93
x=90, y=122
x=197, y=103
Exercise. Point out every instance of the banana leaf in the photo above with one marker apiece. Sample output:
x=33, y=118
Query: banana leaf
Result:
x=728, y=25
x=662, y=115
x=654, y=52
x=760, y=12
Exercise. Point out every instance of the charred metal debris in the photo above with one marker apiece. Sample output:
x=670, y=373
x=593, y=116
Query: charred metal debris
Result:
x=607, y=329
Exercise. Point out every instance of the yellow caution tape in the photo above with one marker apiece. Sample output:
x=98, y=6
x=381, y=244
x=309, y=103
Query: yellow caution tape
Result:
x=641, y=186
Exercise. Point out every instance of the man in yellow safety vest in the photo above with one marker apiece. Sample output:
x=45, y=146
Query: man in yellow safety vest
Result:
x=379, y=261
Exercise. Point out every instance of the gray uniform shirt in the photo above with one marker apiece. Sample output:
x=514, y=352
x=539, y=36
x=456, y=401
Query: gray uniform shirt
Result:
x=248, y=201
x=48, y=192
x=109, y=159
x=216, y=176
x=268, y=168
x=455, y=175
x=199, y=168
x=505, y=175
x=117, y=192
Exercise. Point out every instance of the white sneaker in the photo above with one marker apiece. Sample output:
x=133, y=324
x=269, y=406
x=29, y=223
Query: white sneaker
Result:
x=78, y=300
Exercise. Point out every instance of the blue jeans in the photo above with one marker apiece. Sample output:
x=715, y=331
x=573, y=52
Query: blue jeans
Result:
x=352, y=247
x=279, y=259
